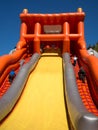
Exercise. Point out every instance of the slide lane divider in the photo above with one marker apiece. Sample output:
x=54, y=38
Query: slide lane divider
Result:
x=80, y=117
x=9, y=99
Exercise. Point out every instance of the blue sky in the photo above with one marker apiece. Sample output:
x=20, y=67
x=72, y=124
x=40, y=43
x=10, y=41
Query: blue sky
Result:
x=10, y=21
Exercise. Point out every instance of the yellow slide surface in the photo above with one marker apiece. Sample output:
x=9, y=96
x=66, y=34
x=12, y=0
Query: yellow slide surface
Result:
x=41, y=106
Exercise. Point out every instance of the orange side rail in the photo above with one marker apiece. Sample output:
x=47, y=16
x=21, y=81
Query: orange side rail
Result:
x=90, y=64
x=9, y=62
x=10, y=59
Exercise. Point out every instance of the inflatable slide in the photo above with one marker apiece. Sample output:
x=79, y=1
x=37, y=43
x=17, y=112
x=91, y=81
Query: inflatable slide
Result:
x=55, y=82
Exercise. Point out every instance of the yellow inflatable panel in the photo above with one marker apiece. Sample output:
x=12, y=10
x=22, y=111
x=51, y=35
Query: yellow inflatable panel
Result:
x=41, y=106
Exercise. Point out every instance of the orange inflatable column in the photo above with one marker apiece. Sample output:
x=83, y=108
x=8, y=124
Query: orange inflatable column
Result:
x=81, y=40
x=66, y=41
x=37, y=31
x=22, y=41
x=23, y=31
